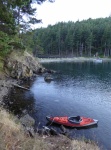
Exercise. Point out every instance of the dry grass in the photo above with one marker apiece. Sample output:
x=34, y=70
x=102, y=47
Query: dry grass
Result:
x=13, y=137
x=84, y=145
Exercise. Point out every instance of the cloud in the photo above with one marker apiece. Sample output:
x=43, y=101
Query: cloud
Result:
x=72, y=10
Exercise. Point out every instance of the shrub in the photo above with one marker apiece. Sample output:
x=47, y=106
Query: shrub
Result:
x=4, y=47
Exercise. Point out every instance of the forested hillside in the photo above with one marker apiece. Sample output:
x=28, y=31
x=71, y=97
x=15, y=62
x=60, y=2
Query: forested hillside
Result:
x=90, y=37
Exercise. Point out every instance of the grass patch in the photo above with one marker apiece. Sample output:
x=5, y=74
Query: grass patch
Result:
x=12, y=136
x=84, y=145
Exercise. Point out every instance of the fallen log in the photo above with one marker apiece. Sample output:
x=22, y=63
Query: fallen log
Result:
x=16, y=85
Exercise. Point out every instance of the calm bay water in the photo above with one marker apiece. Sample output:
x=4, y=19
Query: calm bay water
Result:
x=79, y=89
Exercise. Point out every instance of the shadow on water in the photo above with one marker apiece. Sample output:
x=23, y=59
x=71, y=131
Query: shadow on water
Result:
x=19, y=101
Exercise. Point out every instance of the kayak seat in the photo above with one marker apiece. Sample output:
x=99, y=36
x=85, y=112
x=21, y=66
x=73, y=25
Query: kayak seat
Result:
x=76, y=119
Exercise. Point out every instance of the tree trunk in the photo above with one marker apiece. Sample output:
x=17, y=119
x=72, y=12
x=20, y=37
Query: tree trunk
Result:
x=90, y=50
x=18, y=22
x=77, y=50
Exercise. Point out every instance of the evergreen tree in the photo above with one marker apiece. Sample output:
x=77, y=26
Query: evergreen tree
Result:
x=82, y=38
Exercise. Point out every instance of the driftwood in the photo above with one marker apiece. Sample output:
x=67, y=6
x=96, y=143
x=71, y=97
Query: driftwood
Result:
x=16, y=85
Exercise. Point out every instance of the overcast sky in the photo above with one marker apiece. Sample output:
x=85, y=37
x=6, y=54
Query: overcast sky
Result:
x=72, y=10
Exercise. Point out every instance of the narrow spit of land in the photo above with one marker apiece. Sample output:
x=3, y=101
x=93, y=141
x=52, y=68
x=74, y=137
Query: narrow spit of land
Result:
x=73, y=59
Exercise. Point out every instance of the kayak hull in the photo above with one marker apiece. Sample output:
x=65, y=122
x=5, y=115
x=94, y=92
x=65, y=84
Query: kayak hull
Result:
x=85, y=122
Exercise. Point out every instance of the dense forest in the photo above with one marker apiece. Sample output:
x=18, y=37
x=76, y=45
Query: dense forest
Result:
x=88, y=38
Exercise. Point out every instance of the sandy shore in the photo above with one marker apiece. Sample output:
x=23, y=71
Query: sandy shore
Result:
x=73, y=59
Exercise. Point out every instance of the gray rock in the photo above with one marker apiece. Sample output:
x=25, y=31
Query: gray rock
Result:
x=22, y=67
x=48, y=78
x=30, y=131
x=27, y=121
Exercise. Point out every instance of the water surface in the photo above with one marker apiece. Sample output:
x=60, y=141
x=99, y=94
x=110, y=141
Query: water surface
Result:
x=78, y=89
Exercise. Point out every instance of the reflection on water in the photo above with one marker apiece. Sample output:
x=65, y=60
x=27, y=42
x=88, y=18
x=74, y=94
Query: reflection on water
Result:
x=79, y=89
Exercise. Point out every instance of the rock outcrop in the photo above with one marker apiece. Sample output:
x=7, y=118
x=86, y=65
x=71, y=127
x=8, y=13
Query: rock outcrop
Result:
x=21, y=66
x=27, y=120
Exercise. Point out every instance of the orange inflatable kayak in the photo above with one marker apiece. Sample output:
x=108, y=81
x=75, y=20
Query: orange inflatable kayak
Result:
x=75, y=121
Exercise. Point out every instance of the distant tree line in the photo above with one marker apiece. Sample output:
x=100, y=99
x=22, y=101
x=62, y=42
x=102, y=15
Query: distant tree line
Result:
x=90, y=37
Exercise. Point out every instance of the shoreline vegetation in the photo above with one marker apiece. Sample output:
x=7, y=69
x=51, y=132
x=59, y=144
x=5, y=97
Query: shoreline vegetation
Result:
x=12, y=132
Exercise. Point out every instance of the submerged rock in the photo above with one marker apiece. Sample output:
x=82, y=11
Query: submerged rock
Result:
x=48, y=78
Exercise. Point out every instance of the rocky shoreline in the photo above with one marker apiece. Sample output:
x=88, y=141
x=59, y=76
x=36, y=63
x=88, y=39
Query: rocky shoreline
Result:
x=17, y=70
x=53, y=139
